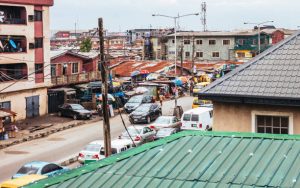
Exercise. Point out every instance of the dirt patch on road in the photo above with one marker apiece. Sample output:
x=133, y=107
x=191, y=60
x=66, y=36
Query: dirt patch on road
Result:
x=16, y=152
x=56, y=139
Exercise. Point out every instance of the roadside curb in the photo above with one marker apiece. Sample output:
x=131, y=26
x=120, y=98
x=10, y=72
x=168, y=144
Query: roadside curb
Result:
x=43, y=133
x=69, y=161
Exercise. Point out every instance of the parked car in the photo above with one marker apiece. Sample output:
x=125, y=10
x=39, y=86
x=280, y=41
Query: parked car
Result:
x=90, y=151
x=95, y=150
x=76, y=111
x=135, y=101
x=198, y=103
x=166, y=122
x=22, y=181
x=145, y=113
x=40, y=168
x=164, y=132
x=139, y=134
x=197, y=119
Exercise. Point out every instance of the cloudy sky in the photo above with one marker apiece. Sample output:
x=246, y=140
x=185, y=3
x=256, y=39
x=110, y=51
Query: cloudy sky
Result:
x=120, y=15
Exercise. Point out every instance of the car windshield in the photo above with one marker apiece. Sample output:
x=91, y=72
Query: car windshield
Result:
x=77, y=107
x=136, y=99
x=163, y=120
x=132, y=131
x=28, y=170
x=142, y=109
x=92, y=147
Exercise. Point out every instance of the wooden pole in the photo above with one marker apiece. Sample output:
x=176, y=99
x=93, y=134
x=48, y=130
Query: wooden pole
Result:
x=106, y=124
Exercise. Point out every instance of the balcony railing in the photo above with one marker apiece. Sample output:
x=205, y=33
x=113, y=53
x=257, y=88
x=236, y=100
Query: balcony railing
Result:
x=12, y=15
x=75, y=78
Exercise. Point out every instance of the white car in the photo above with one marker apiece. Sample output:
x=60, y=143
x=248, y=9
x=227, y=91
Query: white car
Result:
x=166, y=122
x=91, y=151
x=95, y=150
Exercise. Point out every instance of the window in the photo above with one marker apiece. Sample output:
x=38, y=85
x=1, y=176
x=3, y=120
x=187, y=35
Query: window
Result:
x=198, y=42
x=199, y=54
x=186, y=117
x=187, y=54
x=39, y=68
x=272, y=124
x=74, y=68
x=38, y=15
x=254, y=42
x=173, y=41
x=5, y=105
x=38, y=43
x=50, y=168
x=241, y=54
x=195, y=117
x=53, y=70
x=226, y=42
x=241, y=41
x=212, y=42
x=215, y=54
x=186, y=41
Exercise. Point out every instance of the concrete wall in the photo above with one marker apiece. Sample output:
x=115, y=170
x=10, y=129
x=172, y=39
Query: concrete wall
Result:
x=224, y=50
x=18, y=101
x=240, y=117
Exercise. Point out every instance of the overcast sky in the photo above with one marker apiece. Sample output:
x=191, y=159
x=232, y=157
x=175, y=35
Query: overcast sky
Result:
x=120, y=15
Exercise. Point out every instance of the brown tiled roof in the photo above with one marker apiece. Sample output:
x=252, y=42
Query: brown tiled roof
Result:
x=126, y=68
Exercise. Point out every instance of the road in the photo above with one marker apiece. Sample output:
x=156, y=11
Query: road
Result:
x=64, y=144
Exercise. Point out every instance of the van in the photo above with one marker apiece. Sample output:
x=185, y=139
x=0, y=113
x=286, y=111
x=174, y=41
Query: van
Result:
x=117, y=146
x=22, y=181
x=197, y=119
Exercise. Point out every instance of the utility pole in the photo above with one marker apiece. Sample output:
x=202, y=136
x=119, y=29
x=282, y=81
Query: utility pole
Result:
x=193, y=57
x=181, y=60
x=106, y=124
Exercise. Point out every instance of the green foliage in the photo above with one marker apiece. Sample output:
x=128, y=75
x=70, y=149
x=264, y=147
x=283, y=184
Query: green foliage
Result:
x=86, y=45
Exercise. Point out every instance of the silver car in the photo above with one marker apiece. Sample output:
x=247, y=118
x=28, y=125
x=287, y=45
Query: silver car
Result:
x=164, y=132
x=139, y=134
x=166, y=122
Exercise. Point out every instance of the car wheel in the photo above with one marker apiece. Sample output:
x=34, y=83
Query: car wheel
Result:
x=59, y=114
x=131, y=121
x=148, y=119
x=75, y=117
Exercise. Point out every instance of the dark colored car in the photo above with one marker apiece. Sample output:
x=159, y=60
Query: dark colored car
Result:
x=145, y=113
x=76, y=111
x=136, y=101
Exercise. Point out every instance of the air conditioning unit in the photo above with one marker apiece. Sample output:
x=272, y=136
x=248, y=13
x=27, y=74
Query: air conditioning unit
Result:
x=31, y=46
x=31, y=18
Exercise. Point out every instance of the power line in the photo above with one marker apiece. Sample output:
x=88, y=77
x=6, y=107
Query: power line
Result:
x=35, y=70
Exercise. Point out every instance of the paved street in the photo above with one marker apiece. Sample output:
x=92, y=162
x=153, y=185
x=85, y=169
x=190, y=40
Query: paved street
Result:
x=61, y=145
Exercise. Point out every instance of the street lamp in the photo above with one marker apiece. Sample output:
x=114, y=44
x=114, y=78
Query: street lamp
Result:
x=175, y=30
x=258, y=30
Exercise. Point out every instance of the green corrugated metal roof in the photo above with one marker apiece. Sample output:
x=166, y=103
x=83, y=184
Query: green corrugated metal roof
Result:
x=195, y=159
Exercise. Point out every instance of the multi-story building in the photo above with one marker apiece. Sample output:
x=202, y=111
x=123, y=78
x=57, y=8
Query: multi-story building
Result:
x=24, y=56
x=208, y=46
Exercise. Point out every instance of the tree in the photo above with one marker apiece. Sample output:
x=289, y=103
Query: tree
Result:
x=86, y=45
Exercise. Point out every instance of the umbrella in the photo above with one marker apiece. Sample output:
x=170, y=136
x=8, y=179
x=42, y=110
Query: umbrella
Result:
x=135, y=73
x=109, y=96
x=183, y=79
x=144, y=72
x=177, y=82
x=141, y=90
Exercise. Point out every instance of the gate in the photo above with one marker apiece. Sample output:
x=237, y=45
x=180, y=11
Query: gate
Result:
x=32, y=106
x=55, y=98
